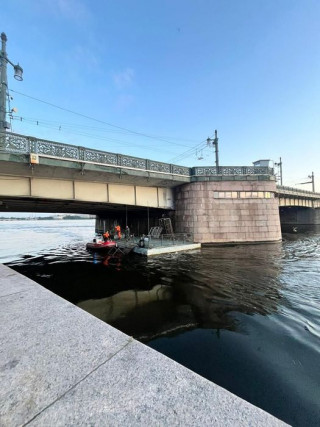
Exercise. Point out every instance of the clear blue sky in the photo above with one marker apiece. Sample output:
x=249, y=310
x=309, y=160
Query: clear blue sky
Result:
x=176, y=70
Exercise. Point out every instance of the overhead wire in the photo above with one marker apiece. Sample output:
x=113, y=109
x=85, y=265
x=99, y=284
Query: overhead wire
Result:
x=97, y=120
x=63, y=125
x=97, y=137
x=77, y=125
x=191, y=151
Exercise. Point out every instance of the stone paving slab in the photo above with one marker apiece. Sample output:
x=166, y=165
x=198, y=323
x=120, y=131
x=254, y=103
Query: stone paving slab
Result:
x=140, y=387
x=60, y=366
x=10, y=283
x=47, y=345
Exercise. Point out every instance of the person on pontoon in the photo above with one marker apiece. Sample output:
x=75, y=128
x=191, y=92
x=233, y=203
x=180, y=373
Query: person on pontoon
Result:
x=118, y=231
x=106, y=236
x=127, y=232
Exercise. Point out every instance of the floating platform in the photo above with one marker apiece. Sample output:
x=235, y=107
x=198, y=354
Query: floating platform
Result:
x=156, y=246
x=158, y=250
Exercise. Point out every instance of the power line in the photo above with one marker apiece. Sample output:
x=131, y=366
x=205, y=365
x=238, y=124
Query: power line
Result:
x=74, y=132
x=182, y=156
x=190, y=152
x=59, y=124
x=97, y=120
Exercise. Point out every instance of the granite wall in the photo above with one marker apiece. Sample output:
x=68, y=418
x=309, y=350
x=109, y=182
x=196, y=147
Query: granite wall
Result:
x=228, y=211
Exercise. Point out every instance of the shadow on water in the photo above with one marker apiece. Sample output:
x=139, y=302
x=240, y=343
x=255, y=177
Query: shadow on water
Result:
x=241, y=316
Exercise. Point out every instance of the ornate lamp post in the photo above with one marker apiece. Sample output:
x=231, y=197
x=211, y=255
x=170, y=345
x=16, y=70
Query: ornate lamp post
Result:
x=3, y=81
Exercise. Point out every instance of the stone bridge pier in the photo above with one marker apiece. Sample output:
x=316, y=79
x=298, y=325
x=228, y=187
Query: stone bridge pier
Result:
x=228, y=211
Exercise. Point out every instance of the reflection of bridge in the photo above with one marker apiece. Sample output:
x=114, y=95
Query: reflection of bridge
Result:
x=225, y=204
x=192, y=298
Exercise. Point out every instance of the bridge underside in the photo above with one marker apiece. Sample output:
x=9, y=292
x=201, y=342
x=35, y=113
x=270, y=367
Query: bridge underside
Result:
x=41, y=194
x=45, y=205
x=299, y=215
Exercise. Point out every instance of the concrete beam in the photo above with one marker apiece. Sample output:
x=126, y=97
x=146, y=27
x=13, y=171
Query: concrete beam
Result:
x=34, y=188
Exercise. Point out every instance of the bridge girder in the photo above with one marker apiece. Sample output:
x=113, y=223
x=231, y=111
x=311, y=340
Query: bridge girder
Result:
x=33, y=194
x=298, y=201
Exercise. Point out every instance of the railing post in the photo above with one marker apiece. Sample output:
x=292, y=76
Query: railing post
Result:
x=33, y=146
x=2, y=140
x=81, y=151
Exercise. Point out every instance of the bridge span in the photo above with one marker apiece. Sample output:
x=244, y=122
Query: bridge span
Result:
x=298, y=207
x=216, y=205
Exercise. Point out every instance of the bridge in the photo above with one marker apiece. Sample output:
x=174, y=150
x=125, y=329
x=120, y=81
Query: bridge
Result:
x=298, y=207
x=217, y=205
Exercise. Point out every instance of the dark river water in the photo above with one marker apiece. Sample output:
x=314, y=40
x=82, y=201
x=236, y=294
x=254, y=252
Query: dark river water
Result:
x=245, y=317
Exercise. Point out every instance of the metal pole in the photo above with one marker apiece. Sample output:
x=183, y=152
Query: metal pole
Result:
x=215, y=144
x=216, y=148
x=279, y=171
x=312, y=180
x=3, y=82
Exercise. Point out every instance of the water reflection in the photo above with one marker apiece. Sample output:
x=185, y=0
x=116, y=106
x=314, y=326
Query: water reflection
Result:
x=245, y=317
x=123, y=303
x=197, y=290
x=164, y=295
x=239, y=279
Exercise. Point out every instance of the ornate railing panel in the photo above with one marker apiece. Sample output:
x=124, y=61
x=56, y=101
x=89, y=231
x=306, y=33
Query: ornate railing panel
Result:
x=100, y=157
x=231, y=170
x=158, y=166
x=56, y=149
x=180, y=170
x=15, y=143
x=132, y=162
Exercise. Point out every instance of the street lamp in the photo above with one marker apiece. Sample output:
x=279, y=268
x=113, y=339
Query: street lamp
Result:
x=3, y=80
x=215, y=144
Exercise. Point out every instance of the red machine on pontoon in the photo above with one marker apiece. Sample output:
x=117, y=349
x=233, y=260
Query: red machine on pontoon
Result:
x=100, y=244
